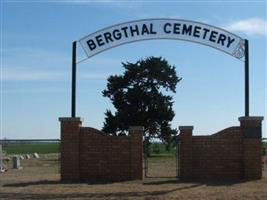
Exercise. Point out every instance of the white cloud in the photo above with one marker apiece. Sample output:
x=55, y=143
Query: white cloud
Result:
x=251, y=26
x=24, y=74
x=34, y=57
x=94, y=76
x=32, y=64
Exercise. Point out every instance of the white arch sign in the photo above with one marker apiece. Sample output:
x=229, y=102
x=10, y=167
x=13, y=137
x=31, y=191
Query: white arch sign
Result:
x=174, y=29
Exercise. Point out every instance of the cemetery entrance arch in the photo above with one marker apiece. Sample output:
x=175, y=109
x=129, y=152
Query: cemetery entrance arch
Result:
x=245, y=141
x=174, y=29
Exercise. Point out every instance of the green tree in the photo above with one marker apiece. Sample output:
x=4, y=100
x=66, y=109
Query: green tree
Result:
x=141, y=97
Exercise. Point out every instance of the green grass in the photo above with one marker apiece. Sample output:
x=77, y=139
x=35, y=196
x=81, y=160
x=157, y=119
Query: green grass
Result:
x=264, y=144
x=24, y=148
x=161, y=150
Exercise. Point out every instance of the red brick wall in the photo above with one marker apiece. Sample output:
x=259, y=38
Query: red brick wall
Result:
x=218, y=155
x=104, y=157
x=88, y=154
x=234, y=152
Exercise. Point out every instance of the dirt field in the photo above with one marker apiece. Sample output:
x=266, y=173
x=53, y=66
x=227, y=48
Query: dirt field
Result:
x=40, y=179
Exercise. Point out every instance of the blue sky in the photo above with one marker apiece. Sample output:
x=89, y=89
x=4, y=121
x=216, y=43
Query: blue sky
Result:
x=36, y=38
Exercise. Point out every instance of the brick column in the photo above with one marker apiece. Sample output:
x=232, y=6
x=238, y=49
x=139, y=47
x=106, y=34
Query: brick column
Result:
x=70, y=130
x=251, y=130
x=186, y=152
x=136, y=137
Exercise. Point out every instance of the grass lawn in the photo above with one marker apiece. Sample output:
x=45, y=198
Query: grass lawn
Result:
x=34, y=147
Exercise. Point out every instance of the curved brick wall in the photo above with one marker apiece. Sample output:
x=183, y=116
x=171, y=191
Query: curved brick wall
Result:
x=233, y=153
x=88, y=154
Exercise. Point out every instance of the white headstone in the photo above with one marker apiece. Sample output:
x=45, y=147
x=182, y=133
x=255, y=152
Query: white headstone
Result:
x=35, y=155
x=21, y=157
x=27, y=156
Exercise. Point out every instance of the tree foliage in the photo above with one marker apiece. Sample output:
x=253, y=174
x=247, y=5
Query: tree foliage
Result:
x=141, y=97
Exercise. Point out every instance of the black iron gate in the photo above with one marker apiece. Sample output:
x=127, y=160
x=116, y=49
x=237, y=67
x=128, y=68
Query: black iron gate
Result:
x=161, y=158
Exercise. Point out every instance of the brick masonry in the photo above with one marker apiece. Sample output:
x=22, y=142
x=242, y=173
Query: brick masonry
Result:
x=88, y=154
x=234, y=152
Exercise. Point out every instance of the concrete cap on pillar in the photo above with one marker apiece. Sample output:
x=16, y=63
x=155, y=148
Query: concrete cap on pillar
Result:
x=186, y=128
x=136, y=128
x=255, y=118
x=70, y=119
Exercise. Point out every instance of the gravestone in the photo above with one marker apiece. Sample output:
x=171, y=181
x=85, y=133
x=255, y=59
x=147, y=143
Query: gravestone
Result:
x=16, y=162
x=27, y=156
x=35, y=155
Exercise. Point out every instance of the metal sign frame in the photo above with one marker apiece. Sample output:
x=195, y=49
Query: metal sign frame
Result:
x=243, y=46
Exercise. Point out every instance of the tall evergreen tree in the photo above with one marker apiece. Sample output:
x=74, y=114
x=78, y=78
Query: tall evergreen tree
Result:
x=140, y=97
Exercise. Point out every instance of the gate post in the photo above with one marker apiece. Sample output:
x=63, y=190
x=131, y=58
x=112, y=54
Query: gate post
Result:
x=252, y=147
x=186, y=152
x=70, y=131
x=136, y=160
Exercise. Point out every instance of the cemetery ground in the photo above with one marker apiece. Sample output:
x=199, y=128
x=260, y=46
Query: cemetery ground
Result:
x=40, y=179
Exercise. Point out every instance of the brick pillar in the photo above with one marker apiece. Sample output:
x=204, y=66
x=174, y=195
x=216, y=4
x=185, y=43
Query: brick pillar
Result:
x=251, y=130
x=136, y=137
x=70, y=130
x=186, y=152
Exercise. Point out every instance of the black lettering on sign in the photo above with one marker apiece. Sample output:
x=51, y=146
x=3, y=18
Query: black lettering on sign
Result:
x=165, y=28
x=125, y=31
x=99, y=40
x=151, y=29
x=134, y=30
x=205, y=32
x=91, y=44
x=187, y=29
x=230, y=41
x=144, y=29
x=117, y=34
x=176, y=28
x=221, y=39
x=197, y=31
x=107, y=37
x=213, y=35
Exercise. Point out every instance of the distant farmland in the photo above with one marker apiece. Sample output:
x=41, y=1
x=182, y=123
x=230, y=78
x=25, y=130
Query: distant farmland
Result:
x=31, y=147
x=54, y=147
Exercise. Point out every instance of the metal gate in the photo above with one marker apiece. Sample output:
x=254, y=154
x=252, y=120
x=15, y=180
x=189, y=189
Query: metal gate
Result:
x=161, y=158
